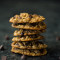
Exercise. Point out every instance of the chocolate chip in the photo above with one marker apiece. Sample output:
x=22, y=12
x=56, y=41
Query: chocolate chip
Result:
x=7, y=37
x=23, y=57
x=4, y=58
x=2, y=47
x=22, y=34
x=17, y=44
x=30, y=16
x=58, y=38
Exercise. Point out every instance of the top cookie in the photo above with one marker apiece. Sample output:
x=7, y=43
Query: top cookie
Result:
x=26, y=18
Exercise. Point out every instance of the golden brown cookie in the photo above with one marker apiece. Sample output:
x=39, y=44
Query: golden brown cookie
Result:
x=28, y=38
x=26, y=18
x=29, y=52
x=33, y=26
x=29, y=45
x=27, y=32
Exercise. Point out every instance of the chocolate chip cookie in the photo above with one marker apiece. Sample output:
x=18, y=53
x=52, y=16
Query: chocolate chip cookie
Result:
x=32, y=26
x=26, y=18
x=29, y=45
x=28, y=38
x=27, y=32
x=29, y=52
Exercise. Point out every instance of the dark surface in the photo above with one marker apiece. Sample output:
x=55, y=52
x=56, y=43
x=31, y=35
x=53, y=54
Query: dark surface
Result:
x=49, y=9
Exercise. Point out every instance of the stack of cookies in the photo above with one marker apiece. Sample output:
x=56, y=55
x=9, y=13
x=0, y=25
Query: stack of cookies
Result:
x=28, y=37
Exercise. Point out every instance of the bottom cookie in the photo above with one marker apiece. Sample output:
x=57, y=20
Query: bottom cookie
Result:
x=29, y=52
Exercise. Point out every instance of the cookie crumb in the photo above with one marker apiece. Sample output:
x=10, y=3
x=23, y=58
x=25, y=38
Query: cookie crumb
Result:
x=2, y=47
x=7, y=37
x=4, y=58
x=58, y=38
x=23, y=57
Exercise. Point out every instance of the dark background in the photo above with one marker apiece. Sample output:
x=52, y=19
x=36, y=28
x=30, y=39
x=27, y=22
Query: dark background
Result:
x=50, y=9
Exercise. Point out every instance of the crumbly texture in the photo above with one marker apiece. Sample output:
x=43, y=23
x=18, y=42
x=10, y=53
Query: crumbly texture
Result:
x=26, y=18
x=27, y=32
x=29, y=52
x=28, y=38
x=37, y=26
x=29, y=45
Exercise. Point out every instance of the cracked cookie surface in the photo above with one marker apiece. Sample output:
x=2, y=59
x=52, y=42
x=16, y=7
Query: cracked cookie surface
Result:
x=29, y=52
x=26, y=18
